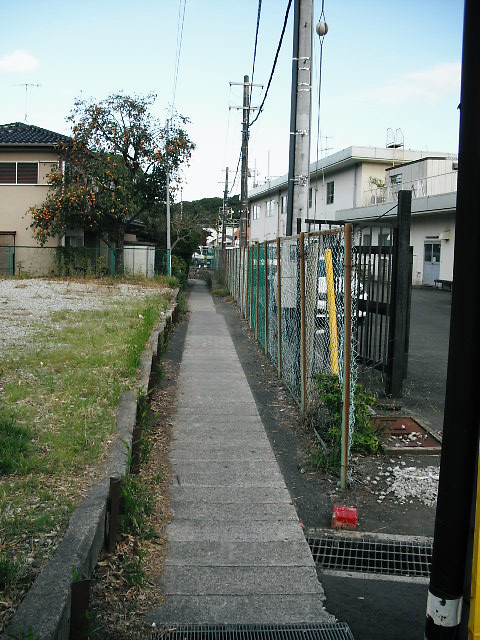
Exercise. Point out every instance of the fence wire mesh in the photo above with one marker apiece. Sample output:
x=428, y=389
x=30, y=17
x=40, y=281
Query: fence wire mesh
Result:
x=70, y=261
x=272, y=302
x=293, y=295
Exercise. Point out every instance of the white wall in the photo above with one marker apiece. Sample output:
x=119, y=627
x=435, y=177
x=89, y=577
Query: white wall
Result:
x=432, y=226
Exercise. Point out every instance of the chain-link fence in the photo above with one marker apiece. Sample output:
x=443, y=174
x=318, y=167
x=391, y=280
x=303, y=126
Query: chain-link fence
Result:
x=138, y=260
x=293, y=293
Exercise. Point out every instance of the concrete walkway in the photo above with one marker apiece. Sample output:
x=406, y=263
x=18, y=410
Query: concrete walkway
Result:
x=236, y=551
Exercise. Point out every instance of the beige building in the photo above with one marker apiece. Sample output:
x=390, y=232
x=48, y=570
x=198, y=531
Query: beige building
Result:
x=27, y=155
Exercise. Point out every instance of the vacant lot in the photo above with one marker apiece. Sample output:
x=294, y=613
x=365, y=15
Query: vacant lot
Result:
x=67, y=352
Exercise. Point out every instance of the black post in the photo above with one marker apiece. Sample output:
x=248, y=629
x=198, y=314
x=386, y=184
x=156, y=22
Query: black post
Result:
x=400, y=296
x=456, y=491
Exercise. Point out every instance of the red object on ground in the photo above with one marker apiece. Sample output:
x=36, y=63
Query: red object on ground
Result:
x=344, y=517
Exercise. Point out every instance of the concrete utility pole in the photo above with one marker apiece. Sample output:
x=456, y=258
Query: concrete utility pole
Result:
x=244, y=182
x=246, y=108
x=301, y=99
x=224, y=210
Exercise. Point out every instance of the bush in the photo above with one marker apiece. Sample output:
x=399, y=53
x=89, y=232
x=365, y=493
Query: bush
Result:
x=326, y=419
x=180, y=270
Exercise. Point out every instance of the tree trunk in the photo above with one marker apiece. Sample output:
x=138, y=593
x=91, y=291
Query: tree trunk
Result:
x=118, y=261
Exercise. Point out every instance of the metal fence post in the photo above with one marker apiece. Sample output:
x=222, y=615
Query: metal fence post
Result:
x=303, y=336
x=251, y=286
x=279, y=309
x=265, y=254
x=347, y=354
x=256, y=292
x=400, y=296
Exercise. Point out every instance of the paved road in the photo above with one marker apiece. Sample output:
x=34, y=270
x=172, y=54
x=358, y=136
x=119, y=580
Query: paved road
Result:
x=236, y=551
x=424, y=390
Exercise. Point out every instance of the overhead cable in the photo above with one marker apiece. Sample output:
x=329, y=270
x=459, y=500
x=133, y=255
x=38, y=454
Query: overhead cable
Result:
x=274, y=63
x=179, y=47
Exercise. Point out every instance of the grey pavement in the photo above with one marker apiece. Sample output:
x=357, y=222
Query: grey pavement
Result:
x=236, y=550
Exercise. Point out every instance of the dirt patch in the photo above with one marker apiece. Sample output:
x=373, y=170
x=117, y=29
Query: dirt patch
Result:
x=312, y=492
x=118, y=607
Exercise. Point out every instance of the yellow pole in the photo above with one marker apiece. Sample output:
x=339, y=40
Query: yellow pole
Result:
x=474, y=619
x=332, y=312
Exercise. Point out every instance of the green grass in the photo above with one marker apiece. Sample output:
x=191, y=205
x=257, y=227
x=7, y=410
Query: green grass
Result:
x=59, y=398
x=14, y=444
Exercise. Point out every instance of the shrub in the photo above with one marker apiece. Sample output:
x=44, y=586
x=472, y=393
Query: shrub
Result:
x=326, y=419
x=180, y=270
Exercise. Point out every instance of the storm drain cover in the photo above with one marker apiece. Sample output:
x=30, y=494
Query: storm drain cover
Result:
x=321, y=631
x=366, y=555
x=406, y=434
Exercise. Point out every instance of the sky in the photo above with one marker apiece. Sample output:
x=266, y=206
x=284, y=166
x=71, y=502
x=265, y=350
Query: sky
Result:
x=385, y=64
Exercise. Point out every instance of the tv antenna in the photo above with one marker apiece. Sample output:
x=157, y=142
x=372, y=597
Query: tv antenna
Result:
x=27, y=85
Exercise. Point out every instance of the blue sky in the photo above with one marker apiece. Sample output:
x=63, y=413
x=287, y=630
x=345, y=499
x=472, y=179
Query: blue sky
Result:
x=385, y=64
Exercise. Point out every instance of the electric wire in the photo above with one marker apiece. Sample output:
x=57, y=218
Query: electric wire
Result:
x=179, y=47
x=236, y=173
x=274, y=63
x=259, y=11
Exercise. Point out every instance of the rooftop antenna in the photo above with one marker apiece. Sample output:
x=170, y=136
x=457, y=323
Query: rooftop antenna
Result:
x=26, y=85
x=395, y=140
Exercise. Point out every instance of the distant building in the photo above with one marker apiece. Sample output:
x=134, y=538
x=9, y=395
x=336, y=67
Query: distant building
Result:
x=360, y=184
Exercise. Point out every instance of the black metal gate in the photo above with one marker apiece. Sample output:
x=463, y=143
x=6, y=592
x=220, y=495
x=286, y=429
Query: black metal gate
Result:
x=384, y=276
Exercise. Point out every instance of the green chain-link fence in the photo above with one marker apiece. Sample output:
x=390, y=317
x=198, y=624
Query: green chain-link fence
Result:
x=292, y=293
x=134, y=260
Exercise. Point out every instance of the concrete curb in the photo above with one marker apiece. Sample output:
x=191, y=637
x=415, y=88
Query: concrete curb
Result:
x=44, y=613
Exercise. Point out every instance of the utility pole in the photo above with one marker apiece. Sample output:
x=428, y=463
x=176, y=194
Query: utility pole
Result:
x=448, y=590
x=224, y=210
x=167, y=180
x=246, y=108
x=300, y=110
x=244, y=182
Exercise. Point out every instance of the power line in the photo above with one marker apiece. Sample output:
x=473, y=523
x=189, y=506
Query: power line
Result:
x=236, y=172
x=255, y=47
x=274, y=63
x=179, y=47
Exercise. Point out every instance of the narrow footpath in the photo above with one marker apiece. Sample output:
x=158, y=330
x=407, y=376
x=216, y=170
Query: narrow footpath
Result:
x=236, y=550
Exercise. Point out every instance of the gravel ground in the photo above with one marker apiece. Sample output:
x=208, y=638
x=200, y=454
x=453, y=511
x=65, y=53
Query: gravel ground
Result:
x=24, y=303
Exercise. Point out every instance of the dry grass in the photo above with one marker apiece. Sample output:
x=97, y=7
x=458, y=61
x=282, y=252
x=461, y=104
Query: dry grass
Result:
x=63, y=391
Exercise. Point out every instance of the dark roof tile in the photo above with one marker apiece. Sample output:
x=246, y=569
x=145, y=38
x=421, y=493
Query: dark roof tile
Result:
x=19, y=133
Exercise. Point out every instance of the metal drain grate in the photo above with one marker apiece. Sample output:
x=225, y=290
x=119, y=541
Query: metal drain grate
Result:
x=321, y=631
x=388, y=557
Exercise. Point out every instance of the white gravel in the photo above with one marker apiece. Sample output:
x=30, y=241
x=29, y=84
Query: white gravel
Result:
x=24, y=303
x=407, y=483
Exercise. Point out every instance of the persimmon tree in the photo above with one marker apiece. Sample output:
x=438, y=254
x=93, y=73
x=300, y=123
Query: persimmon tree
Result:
x=113, y=171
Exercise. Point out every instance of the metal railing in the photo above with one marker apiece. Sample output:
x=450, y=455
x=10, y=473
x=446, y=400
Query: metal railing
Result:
x=420, y=187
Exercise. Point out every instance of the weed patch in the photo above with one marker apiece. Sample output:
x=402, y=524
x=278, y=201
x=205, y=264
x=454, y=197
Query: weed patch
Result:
x=325, y=420
x=14, y=444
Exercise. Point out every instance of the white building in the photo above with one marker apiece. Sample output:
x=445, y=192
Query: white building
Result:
x=359, y=184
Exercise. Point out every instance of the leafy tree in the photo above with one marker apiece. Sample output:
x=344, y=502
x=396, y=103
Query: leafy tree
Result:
x=114, y=169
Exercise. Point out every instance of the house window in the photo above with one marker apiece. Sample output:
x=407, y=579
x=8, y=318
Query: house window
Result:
x=330, y=192
x=27, y=172
x=8, y=173
x=384, y=239
x=310, y=197
x=396, y=179
x=256, y=212
x=18, y=172
x=270, y=208
x=284, y=204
